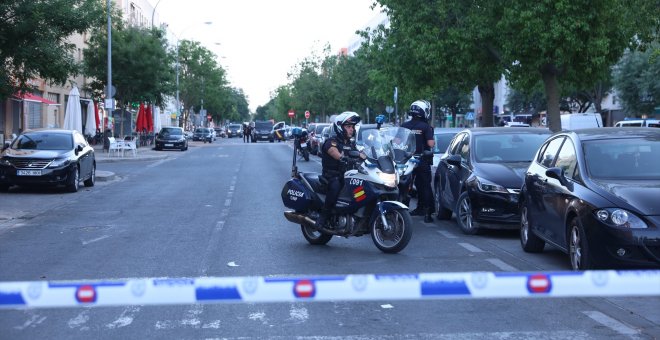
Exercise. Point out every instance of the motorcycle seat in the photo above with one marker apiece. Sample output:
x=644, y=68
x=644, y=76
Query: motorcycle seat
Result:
x=318, y=183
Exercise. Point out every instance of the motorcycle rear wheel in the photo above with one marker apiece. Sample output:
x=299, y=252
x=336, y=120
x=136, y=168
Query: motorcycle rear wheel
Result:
x=396, y=239
x=305, y=154
x=314, y=236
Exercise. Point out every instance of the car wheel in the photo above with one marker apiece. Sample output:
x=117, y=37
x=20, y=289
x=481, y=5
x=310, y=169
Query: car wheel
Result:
x=92, y=177
x=464, y=215
x=4, y=187
x=578, y=250
x=74, y=180
x=443, y=213
x=528, y=240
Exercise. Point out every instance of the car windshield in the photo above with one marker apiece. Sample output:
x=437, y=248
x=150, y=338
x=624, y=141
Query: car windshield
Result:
x=44, y=141
x=632, y=158
x=263, y=125
x=319, y=129
x=507, y=147
x=442, y=141
x=171, y=132
x=234, y=127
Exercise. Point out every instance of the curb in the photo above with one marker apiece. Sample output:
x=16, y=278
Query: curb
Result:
x=105, y=176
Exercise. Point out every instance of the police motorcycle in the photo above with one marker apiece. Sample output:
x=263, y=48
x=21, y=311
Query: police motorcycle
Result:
x=403, y=144
x=300, y=143
x=366, y=205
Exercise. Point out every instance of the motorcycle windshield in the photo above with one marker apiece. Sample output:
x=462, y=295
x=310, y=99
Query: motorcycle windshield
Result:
x=397, y=142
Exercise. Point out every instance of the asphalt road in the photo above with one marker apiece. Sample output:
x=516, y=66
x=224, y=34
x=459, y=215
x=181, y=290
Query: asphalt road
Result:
x=216, y=210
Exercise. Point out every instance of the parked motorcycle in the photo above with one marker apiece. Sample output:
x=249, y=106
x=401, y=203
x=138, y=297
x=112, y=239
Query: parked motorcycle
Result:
x=366, y=205
x=301, y=145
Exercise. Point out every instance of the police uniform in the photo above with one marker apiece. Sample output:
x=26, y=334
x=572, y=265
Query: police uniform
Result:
x=423, y=132
x=333, y=170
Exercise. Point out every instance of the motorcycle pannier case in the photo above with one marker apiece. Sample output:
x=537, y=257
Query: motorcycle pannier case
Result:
x=296, y=196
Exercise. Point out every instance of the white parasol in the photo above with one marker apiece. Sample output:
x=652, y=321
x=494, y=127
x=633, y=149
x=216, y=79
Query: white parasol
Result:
x=90, y=122
x=73, y=113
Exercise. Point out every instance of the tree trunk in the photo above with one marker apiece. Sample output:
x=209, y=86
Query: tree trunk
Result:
x=552, y=95
x=487, y=93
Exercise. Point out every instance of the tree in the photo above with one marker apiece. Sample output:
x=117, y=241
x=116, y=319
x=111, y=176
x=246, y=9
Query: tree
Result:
x=33, y=40
x=141, y=66
x=636, y=78
x=452, y=101
x=564, y=41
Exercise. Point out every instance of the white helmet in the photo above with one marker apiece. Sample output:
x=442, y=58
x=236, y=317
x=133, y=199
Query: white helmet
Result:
x=420, y=109
x=345, y=118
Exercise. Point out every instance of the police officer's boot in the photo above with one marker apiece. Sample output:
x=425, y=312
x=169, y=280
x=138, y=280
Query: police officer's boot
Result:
x=427, y=215
x=419, y=211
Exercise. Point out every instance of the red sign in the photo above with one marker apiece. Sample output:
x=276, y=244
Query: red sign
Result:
x=291, y=113
x=539, y=283
x=86, y=294
x=304, y=289
x=307, y=114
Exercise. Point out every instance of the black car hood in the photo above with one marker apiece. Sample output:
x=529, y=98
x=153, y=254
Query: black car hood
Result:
x=635, y=195
x=171, y=137
x=43, y=154
x=508, y=175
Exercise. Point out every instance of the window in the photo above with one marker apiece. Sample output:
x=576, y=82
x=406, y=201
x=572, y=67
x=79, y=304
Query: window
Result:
x=464, y=148
x=547, y=158
x=454, y=143
x=566, y=159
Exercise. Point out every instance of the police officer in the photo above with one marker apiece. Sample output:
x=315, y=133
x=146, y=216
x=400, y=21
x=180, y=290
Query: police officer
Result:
x=334, y=159
x=420, y=111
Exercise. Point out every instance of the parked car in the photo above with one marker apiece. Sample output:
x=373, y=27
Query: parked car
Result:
x=171, y=137
x=638, y=123
x=48, y=157
x=188, y=135
x=480, y=175
x=442, y=137
x=277, y=132
x=594, y=194
x=220, y=132
x=315, y=137
x=204, y=134
x=261, y=131
x=235, y=130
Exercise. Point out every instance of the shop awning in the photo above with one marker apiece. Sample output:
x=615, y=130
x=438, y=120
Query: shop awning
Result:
x=29, y=97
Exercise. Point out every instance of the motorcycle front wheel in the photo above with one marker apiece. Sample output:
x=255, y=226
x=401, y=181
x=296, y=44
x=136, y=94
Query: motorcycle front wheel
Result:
x=396, y=237
x=314, y=236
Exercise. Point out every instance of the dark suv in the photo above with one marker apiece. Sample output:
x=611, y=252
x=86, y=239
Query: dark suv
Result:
x=204, y=134
x=261, y=131
x=234, y=130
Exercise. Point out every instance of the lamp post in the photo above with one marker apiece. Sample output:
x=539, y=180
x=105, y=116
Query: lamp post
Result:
x=178, y=103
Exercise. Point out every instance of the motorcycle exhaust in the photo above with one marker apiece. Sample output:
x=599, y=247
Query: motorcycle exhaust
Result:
x=296, y=218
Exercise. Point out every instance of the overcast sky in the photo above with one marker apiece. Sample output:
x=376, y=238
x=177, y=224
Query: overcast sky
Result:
x=261, y=40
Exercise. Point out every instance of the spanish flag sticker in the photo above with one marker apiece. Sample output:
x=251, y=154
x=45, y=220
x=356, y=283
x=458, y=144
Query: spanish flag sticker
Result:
x=358, y=194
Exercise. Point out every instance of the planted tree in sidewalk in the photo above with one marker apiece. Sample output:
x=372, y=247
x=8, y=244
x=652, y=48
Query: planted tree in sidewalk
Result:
x=637, y=80
x=33, y=40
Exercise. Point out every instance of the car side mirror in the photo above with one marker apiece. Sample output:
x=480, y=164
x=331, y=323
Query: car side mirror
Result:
x=79, y=149
x=558, y=174
x=454, y=160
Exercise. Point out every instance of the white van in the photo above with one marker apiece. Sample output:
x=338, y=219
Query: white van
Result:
x=576, y=121
x=638, y=123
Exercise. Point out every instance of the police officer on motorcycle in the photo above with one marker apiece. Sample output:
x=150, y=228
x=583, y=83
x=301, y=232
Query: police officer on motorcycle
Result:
x=334, y=159
x=420, y=111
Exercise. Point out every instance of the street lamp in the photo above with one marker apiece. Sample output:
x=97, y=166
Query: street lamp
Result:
x=178, y=103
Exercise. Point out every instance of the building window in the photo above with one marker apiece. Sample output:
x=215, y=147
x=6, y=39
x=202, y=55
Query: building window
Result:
x=53, y=97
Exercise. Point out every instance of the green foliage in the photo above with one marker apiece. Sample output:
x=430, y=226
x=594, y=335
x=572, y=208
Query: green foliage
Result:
x=33, y=39
x=637, y=80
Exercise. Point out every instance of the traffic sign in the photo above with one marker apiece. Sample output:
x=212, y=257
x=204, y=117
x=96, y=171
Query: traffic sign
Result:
x=86, y=294
x=306, y=114
x=539, y=283
x=291, y=113
x=304, y=289
x=469, y=116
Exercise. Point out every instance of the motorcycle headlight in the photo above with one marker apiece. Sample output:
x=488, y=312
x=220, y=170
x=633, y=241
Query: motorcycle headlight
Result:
x=56, y=163
x=390, y=180
x=620, y=218
x=488, y=186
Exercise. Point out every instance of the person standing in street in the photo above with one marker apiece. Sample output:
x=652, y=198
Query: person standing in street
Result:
x=334, y=158
x=245, y=132
x=420, y=112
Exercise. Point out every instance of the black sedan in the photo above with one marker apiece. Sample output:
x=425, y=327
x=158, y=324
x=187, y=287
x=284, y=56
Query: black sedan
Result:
x=480, y=175
x=594, y=194
x=48, y=157
x=171, y=137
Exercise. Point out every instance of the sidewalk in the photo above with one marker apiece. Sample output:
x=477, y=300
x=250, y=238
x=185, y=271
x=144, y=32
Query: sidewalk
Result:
x=144, y=153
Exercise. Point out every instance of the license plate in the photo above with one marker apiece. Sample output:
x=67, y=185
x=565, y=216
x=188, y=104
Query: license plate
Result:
x=28, y=172
x=169, y=144
x=303, y=145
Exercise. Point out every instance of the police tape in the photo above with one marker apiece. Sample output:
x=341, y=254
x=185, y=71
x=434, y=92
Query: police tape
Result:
x=421, y=286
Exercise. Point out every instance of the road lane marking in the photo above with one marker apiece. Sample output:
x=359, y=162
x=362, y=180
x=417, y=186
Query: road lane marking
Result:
x=298, y=314
x=227, y=202
x=470, y=247
x=84, y=243
x=446, y=234
x=611, y=323
x=79, y=320
x=191, y=317
x=34, y=321
x=125, y=319
x=502, y=265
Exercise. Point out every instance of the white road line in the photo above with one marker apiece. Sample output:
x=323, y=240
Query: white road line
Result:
x=502, y=265
x=191, y=317
x=79, y=320
x=470, y=247
x=611, y=323
x=35, y=319
x=125, y=319
x=298, y=314
x=227, y=202
x=446, y=234
x=84, y=243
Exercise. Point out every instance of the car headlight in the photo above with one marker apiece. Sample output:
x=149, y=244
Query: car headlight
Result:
x=390, y=180
x=4, y=161
x=56, y=163
x=488, y=186
x=620, y=218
